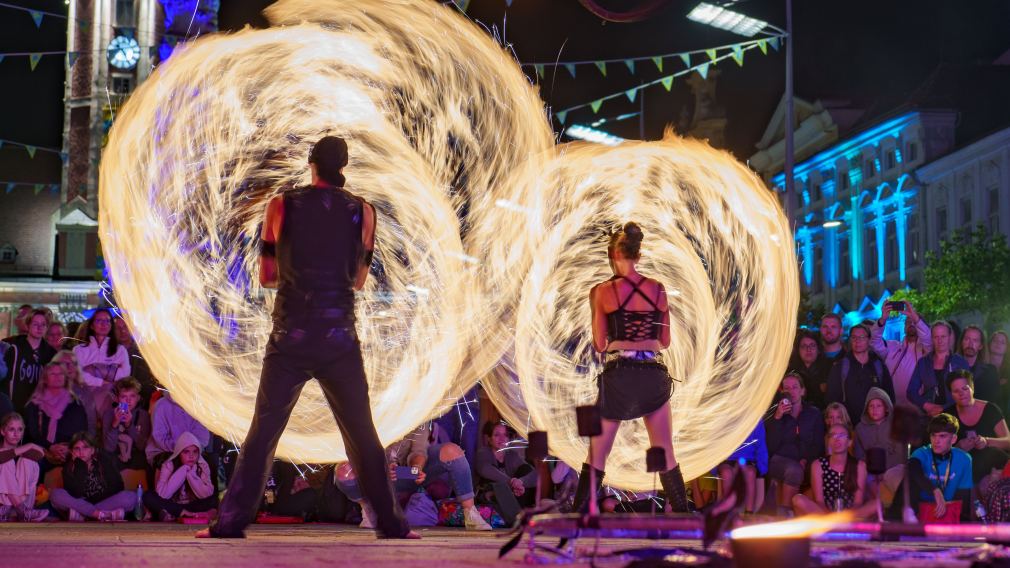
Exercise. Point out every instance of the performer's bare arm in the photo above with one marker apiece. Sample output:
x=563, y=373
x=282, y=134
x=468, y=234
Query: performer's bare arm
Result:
x=368, y=240
x=271, y=231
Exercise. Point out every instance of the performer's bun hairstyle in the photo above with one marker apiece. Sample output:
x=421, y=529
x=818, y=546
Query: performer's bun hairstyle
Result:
x=628, y=240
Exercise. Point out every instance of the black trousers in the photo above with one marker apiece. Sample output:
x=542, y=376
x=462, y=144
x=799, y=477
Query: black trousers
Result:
x=297, y=351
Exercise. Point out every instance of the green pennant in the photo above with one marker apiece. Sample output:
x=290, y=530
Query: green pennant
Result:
x=738, y=55
x=562, y=115
x=72, y=58
x=595, y=105
x=659, y=63
x=540, y=70
x=703, y=70
x=10, y=186
x=763, y=46
x=571, y=69
x=31, y=150
x=39, y=187
x=54, y=188
x=33, y=59
x=667, y=82
x=462, y=4
x=686, y=58
x=774, y=42
x=37, y=17
x=630, y=93
x=631, y=65
x=711, y=54
x=602, y=66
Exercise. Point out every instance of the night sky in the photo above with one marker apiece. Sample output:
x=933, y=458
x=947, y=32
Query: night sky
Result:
x=869, y=52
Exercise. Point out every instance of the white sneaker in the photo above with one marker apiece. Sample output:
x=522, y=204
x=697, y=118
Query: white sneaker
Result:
x=473, y=520
x=75, y=517
x=367, y=516
x=34, y=515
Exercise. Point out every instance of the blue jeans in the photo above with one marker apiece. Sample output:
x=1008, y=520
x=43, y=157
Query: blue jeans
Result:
x=456, y=472
x=460, y=423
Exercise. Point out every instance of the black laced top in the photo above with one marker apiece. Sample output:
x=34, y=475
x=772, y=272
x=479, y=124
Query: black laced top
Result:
x=627, y=325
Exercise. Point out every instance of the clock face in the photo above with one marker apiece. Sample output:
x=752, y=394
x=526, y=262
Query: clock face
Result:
x=124, y=52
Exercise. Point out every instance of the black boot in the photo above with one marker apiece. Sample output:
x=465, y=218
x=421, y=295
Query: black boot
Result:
x=676, y=492
x=581, y=501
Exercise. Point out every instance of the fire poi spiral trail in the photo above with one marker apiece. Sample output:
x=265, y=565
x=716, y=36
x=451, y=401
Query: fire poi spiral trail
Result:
x=442, y=126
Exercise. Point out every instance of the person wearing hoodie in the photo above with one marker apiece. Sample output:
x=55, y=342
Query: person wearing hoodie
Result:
x=873, y=435
x=901, y=356
x=168, y=422
x=183, y=487
x=928, y=387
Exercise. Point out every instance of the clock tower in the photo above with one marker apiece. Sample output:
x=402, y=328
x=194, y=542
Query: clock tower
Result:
x=113, y=46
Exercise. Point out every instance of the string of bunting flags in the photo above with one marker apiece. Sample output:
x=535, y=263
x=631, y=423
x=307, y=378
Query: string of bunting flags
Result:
x=732, y=51
x=54, y=188
x=32, y=149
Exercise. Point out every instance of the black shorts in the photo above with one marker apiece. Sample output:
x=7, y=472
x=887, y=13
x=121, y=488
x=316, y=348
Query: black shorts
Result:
x=632, y=389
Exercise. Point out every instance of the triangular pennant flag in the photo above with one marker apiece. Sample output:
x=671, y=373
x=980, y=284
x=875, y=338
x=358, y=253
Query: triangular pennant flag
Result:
x=711, y=54
x=38, y=188
x=763, y=46
x=659, y=63
x=462, y=4
x=10, y=187
x=667, y=82
x=774, y=42
x=562, y=115
x=602, y=66
x=1, y=143
x=631, y=65
x=1, y=58
x=738, y=55
x=630, y=93
x=595, y=105
x=33, y=59
x=508, y=3
x=703, y=70
x=72, y=58
x=64, y=157
x=37, y=16
x=31, y=150
x=571, y=69
x=686, y=58
x=540, y=70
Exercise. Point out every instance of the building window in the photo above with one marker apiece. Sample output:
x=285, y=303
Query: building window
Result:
x=122, y=85
x=8, y=254
x=870, y=254
x=913, y=151
x=816, y=193
x=868, y=170
x=844, y=264
x=891, y=159
x=941, y=226
x=891, y=256
x=966, y=215
x=993, y=210
x=844, y=182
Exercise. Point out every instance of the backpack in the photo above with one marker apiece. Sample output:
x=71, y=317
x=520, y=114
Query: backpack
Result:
x=877, y=366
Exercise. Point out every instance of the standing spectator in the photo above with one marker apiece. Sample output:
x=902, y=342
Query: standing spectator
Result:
x=807, y=361
x=183, y=487
x=55, y=335
x=982, y=431
x=138, y=366
x=92, y=487
x=836, y=415
x=940, y=474
x=68, y=361
x=873, y=434
x=856, y=372
x=928, y=387
x=901, y=356
x=749, y=460
x=53, y=415
x=832, y=351
x=103, y=360
x=998, y=342
x=126, y=427
x=19, y=473
x=25, y=358
x=972, y=348
x=501, y=468
x=837, y=479
x=20, y=321
x=168, y=422
x=795, y=439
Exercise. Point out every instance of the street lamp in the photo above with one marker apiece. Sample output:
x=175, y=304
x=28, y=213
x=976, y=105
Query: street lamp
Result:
x=832, y=224
x=719, y=17
x=592, y=135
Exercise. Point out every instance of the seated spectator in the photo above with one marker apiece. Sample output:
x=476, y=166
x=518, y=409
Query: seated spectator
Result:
x=102, y=359
x=505, y=479
x=857, y=372
x=972, y=348
x=83, y=392
x=126, y=427
x=53, y=416
x=168, y=422
x=138, y=366
x=982, y=431
x=92, y=487
x=183, y=485
x=55, y=335
x=795, y=439
x=901, y=356
x=928, y=387
x=873, y=434
x=444, y=463
x=806, y=358
x=836, y=415
x=26, y=356
x=940, y=474
x=289, y=493
x=749, y=460
x=996, y=356
x=19, y=473
x=838, y=480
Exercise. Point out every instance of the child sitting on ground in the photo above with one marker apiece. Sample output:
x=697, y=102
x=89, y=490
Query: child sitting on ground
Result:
x=92, y=487
x=183, y=486
x=19, y=473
